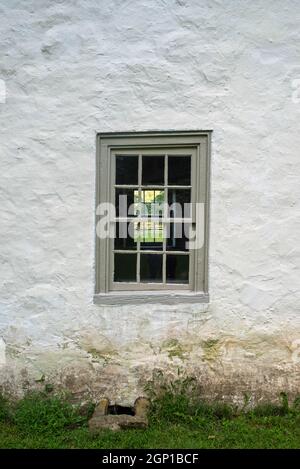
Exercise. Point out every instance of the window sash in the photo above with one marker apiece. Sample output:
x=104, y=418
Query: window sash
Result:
x=173, y=142
x=140, y=152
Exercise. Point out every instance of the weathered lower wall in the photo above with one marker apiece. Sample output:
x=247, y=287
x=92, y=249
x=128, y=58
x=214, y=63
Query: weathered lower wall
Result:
x=115, y=352
x=74, y=68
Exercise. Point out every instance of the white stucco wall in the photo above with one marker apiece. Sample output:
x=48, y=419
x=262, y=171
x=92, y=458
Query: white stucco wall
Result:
x=73, y=68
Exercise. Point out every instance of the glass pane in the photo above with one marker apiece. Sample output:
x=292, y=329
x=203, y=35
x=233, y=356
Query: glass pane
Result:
x=151, y=235
x=179, y=203
x=152, y=203
x=127, y=202
x=151, y=268
x=179, y=170
x=177, y=268
x=177, y=236
x=126, y=169
x=125, y=267
x=153, y=170
x=125, y=236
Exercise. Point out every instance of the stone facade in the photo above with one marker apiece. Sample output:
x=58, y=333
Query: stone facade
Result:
x=70, y=69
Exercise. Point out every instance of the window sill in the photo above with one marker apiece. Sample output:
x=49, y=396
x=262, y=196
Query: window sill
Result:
x=137, y=298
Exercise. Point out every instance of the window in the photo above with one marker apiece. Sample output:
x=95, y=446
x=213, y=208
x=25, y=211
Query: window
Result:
x=152, y=217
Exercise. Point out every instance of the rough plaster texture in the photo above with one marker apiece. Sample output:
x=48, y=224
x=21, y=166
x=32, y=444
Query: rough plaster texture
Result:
x=72, y=68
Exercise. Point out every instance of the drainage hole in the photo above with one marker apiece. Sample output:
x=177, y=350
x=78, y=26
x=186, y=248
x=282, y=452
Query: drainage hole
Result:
x=119, y=410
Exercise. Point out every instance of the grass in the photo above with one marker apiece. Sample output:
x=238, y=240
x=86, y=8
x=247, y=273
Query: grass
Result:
x=177, y=420
x=241, y=432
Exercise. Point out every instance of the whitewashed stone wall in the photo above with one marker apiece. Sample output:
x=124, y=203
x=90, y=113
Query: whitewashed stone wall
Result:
x=72, y=68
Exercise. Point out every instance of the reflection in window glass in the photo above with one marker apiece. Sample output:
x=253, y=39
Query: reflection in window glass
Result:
x=152, y=203
x=150, y=235
x=179, y=203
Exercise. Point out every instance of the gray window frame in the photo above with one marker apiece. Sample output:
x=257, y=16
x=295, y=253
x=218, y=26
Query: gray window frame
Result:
x=107, y=145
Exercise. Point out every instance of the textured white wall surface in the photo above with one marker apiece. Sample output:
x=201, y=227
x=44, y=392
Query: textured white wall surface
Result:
x=72, y=68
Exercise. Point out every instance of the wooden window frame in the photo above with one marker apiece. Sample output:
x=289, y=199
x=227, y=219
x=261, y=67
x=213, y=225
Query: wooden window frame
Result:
x=109, y=144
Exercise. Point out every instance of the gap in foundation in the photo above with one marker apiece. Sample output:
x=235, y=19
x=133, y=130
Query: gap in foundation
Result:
x=120, y=410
